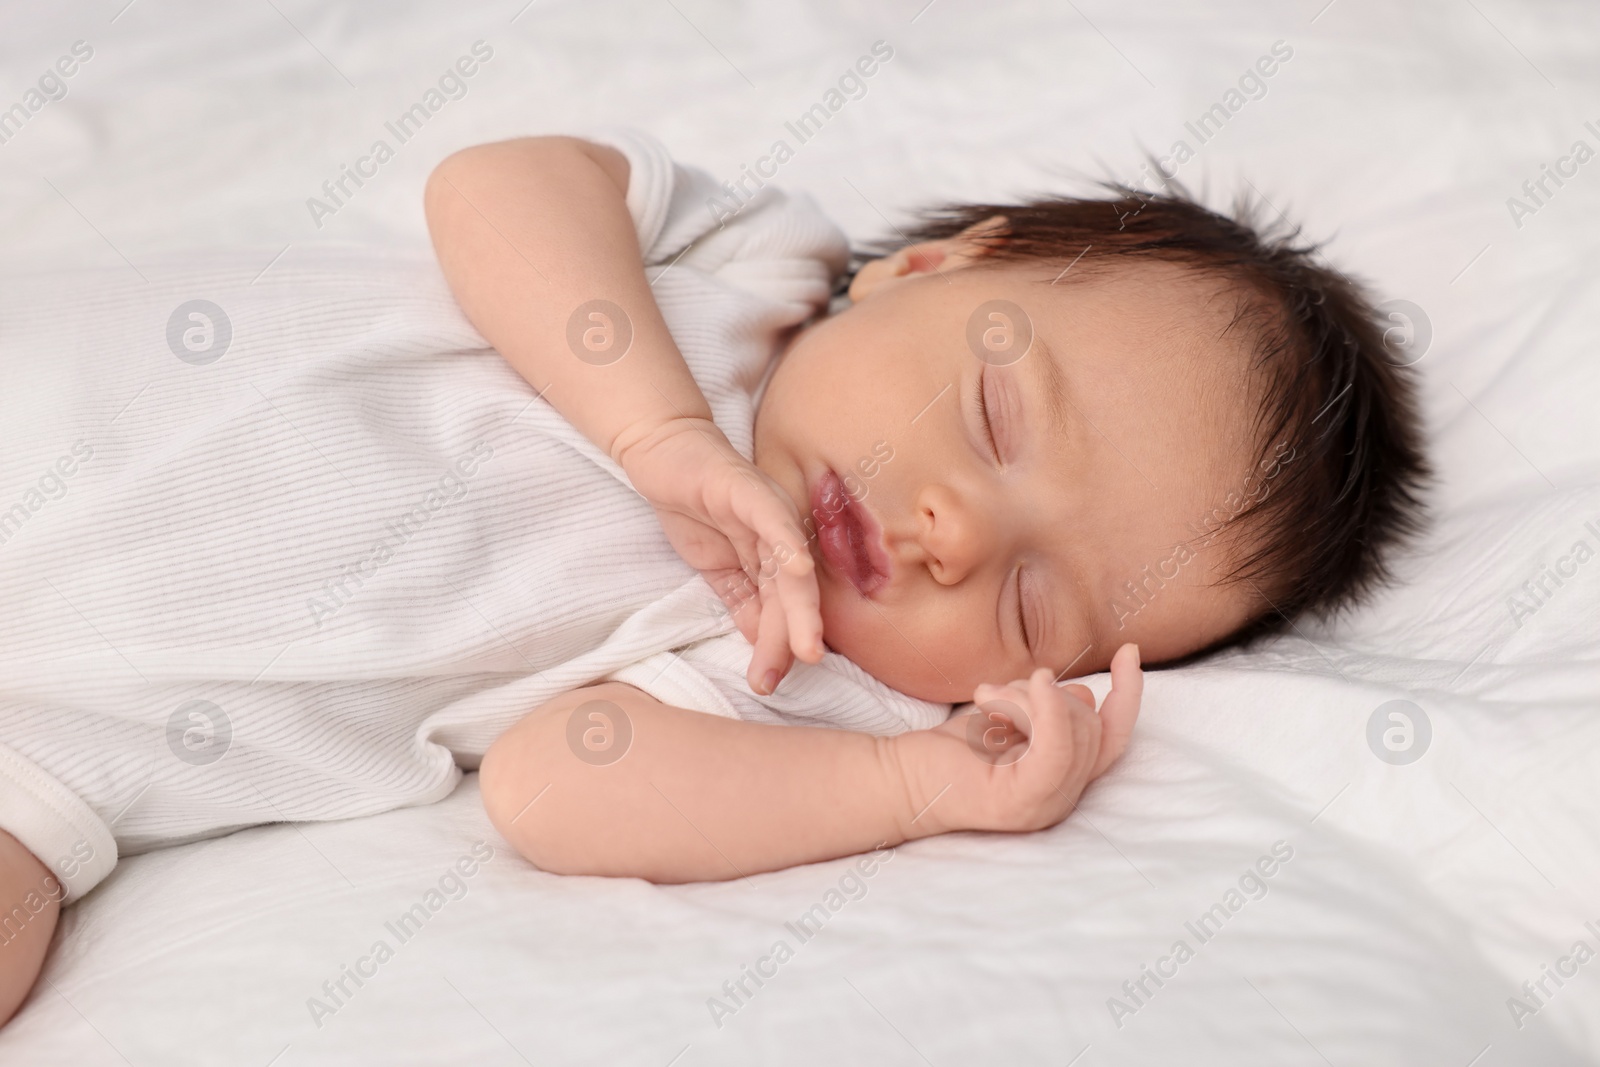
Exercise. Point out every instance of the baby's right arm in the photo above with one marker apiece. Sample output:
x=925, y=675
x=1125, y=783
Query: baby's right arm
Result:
x=536, y=240
x=696, y=797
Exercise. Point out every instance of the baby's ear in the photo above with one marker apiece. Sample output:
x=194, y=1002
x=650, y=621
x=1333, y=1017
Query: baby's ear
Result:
x=945, y=254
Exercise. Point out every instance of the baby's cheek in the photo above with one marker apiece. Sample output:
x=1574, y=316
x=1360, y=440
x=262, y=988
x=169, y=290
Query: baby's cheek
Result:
x=939, y=664
x=857, y=629
x=837, y=626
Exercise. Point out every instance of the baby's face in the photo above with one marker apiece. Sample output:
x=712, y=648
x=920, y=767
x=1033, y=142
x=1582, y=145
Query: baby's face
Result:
x=954, y=560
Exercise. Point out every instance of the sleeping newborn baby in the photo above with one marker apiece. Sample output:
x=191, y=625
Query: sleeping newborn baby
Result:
x=613, y=506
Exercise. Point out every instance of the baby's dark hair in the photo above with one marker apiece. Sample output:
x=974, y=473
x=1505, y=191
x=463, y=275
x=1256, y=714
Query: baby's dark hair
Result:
x=1318, y=537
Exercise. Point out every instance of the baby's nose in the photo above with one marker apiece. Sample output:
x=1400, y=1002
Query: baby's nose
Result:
x=955, y=535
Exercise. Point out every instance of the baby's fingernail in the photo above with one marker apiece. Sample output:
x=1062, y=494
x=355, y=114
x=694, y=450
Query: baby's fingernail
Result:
x=769, y=682
x=1135, y=655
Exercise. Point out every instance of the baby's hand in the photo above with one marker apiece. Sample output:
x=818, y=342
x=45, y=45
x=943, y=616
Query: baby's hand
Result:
x=739, y=529
x=1023, y=758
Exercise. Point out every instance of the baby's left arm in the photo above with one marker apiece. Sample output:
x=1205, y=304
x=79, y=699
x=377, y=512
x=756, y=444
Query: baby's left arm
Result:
x=608, y=780
x=536, y=240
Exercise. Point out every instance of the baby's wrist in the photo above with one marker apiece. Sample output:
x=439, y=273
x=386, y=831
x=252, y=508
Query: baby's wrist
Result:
x=921, y=794
x=640, y=437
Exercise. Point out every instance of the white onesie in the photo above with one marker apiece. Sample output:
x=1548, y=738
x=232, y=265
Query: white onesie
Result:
x=295, y=544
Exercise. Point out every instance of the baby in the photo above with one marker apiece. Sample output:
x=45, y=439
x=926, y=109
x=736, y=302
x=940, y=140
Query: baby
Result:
x=1088, y=385
x=1041, y=441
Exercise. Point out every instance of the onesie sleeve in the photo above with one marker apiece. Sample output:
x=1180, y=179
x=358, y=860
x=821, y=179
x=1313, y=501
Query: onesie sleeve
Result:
x=651, y=183
x=54, y=824
x=774, y=243
x=709, y=676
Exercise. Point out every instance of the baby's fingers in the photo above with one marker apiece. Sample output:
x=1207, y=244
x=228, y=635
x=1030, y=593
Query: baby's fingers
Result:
x=762, y=508
x=1035, y=710
x=797, y=591
x=770, y=660
x=1121, y=707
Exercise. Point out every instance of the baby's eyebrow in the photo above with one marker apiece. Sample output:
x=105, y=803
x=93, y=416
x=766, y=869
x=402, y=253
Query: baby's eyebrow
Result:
x=1057, y=393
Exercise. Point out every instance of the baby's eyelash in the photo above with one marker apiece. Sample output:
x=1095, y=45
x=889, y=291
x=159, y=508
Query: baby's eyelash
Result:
x=983, y=407
x=1022, y=616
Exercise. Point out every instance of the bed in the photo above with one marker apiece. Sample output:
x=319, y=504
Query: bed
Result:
x=1377, y=838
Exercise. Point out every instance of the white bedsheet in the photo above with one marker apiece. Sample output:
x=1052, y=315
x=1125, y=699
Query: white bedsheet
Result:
x=1418, y=898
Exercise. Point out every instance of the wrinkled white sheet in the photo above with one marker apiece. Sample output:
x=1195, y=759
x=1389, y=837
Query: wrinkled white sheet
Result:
x=1418, y=898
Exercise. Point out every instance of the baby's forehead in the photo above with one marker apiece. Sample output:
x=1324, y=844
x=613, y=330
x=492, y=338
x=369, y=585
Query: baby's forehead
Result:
x=1183, y=310
x=1170, y=335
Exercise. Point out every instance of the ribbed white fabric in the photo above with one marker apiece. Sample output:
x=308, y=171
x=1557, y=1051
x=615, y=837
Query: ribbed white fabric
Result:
x=355, y=548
